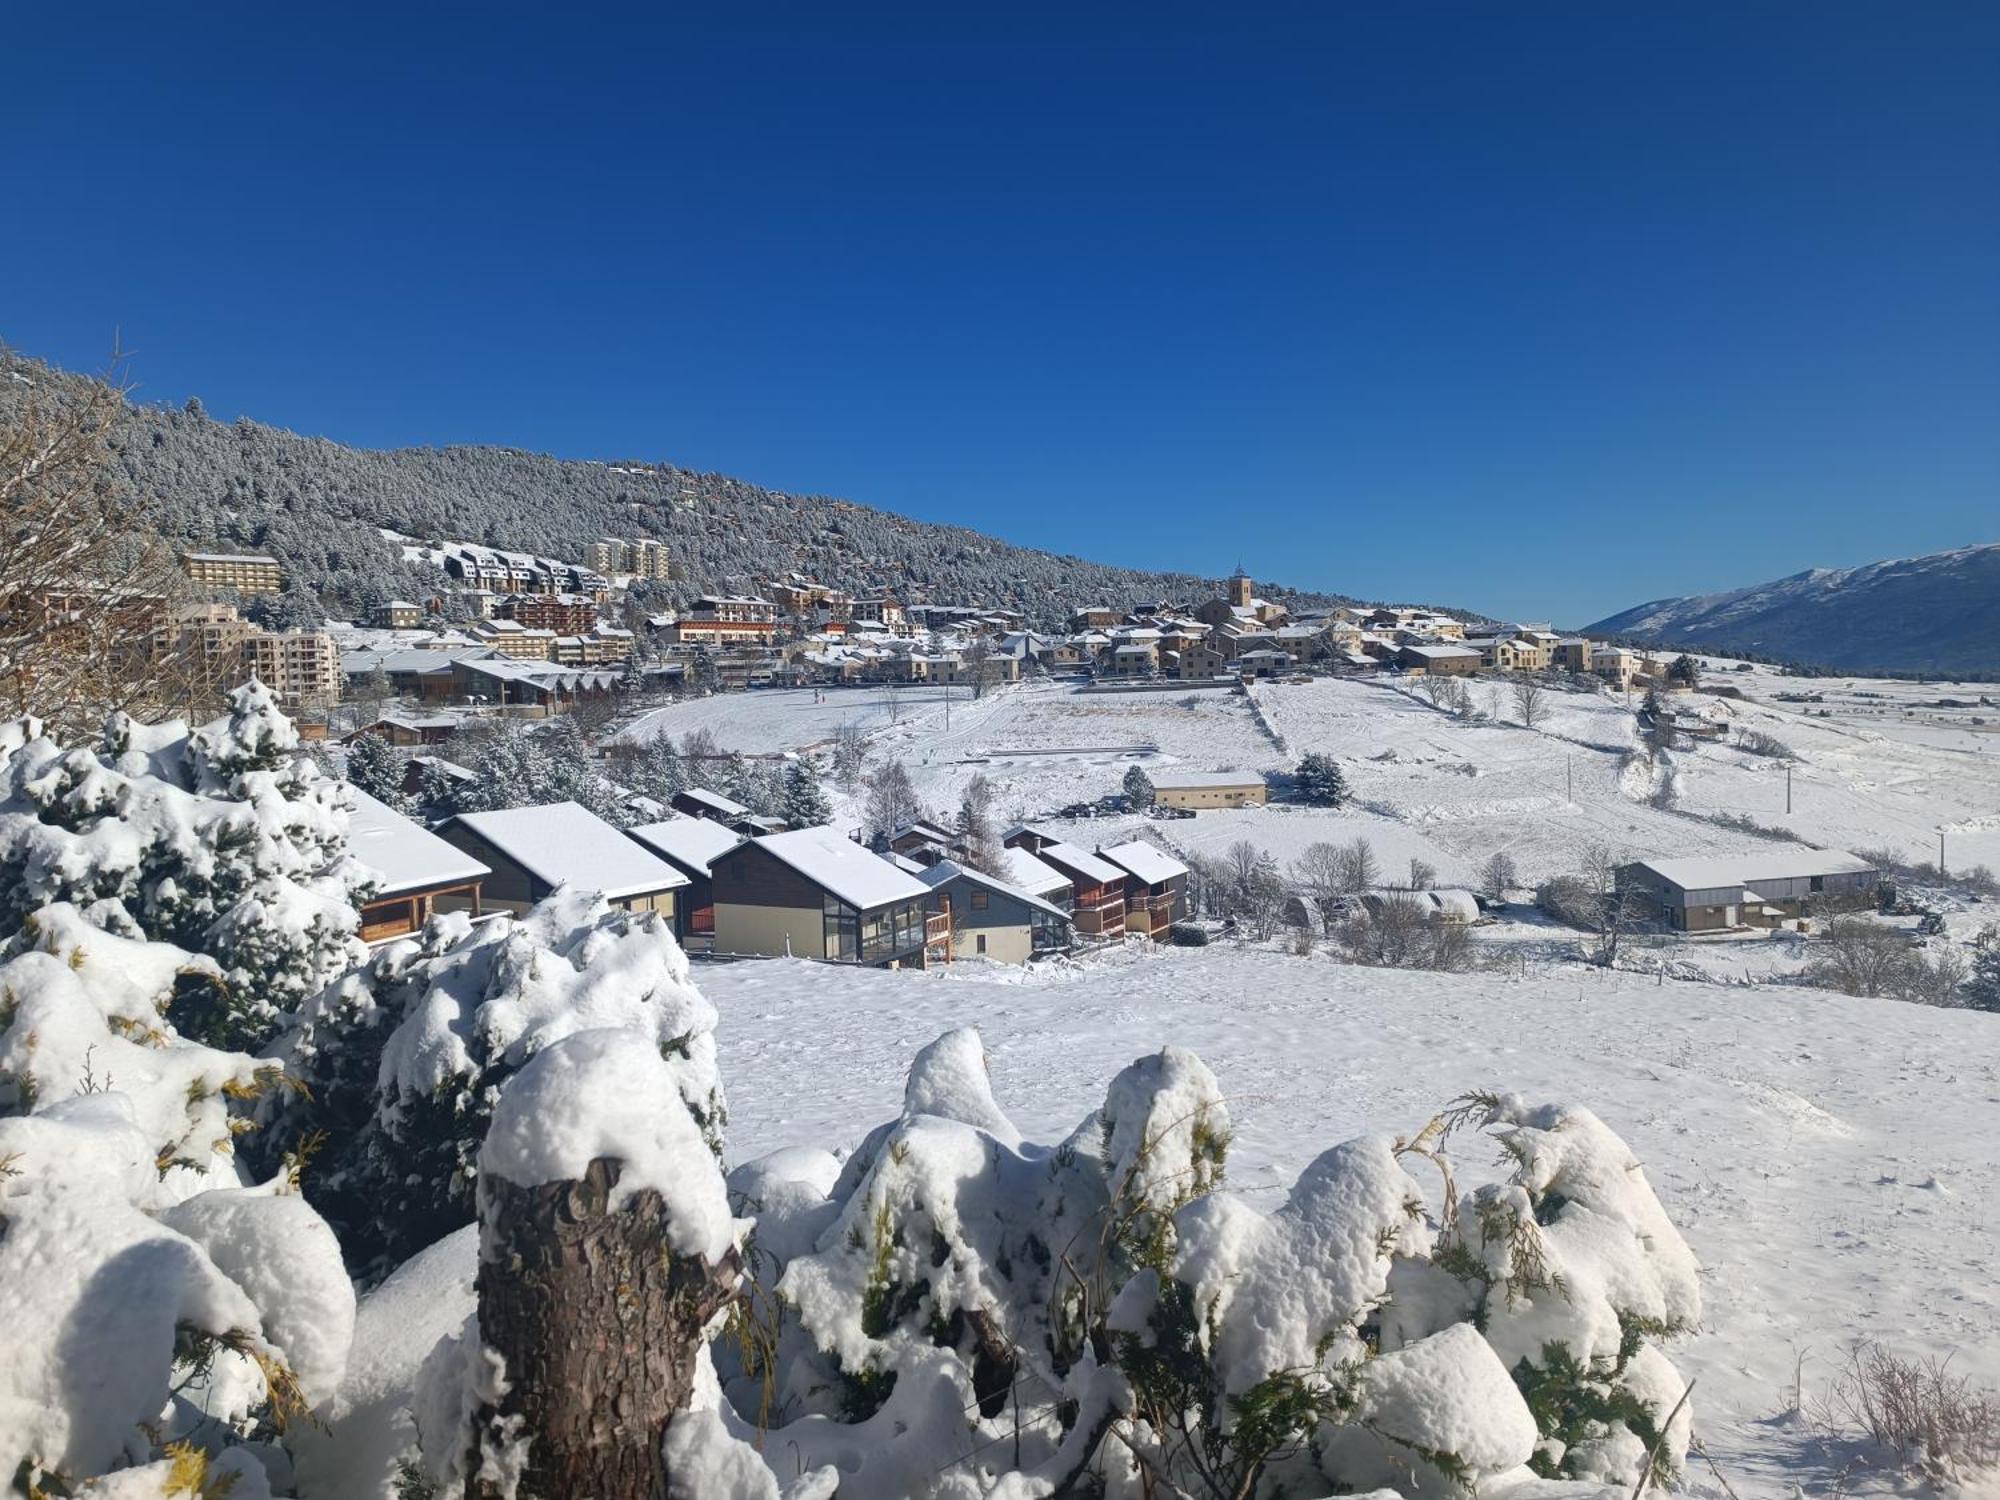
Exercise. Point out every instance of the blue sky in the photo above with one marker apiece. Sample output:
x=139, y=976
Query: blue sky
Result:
x=1542, y=309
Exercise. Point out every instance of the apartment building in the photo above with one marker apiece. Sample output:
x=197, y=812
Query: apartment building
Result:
x=641, y=558
x=300, y=667
x=247, y=573
x=719, y=619
x=565, y=614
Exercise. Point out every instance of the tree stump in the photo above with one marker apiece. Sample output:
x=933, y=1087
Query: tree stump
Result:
x=599, y=1323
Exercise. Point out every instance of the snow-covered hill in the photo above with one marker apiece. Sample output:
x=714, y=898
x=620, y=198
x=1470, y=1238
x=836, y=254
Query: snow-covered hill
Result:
x=1938, y=613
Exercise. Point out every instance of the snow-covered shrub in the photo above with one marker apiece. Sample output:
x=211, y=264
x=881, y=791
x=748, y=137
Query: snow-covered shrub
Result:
x=958, y=1311
x=400, y=1061
x=1575, y=1276
x=156, y=1309
x=221, y=840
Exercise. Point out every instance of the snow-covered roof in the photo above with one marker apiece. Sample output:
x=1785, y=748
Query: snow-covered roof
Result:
x=450, y=768
x=946, y=871
x=1712, y=872
x=1147, y=862
x=715, y=802
x=692, y=843
x=409, y=856
x=1190, y=780
x=1032, y=875
x=1086, y=864
x=565, y=842
x=835, y=863
x=1441, y=653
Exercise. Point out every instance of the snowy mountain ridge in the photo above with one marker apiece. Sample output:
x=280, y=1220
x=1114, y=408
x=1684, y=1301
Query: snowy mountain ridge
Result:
x=1939, y=612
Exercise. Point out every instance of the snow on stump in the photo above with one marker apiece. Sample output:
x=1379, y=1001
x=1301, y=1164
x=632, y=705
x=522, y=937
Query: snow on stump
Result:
x=606, y=1247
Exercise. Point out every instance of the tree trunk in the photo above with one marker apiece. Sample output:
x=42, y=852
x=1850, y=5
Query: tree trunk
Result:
x=599, y=1323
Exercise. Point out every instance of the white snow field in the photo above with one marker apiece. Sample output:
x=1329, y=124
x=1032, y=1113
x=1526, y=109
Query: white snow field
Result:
x=777, y=719
x=1834, y=1162
x=1427, y=785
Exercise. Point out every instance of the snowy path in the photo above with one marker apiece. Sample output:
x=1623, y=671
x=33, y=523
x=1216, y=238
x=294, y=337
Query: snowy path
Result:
x=1833, y=1161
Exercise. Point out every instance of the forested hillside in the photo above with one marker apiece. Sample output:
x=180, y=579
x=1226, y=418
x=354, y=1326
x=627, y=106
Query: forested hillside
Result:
x=318, y=506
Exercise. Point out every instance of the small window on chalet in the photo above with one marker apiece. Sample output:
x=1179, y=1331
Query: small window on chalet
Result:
x=979, y=901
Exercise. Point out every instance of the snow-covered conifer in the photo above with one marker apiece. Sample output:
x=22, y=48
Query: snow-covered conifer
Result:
x=1319, y=780
x=401, y=1060
x=805, y=803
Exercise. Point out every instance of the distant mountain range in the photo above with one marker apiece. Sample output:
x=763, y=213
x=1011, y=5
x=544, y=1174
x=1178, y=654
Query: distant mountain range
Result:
x=1938, y=613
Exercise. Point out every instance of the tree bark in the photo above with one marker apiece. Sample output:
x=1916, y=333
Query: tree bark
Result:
x=599, y=1323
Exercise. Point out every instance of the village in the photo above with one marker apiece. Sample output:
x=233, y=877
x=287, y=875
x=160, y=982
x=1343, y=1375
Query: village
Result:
x=998, y=867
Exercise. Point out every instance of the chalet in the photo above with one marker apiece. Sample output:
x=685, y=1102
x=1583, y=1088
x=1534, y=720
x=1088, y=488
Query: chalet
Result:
x=1038, y=878
x=1156, y=893
x=421, y=770
x=926, y=843
x=407, y=732
x=812, y=893
x=690, y=845
x=532, y=850
x=700, y=802
x=1209, y=789
x=1506, y=653
x=419, y=873
x=992, y=919
x=1760, y=889
x=1097, y=903
x=398, y=614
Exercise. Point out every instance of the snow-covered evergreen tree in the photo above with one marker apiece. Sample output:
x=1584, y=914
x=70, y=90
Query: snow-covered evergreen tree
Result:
x=159, y=1309
x=805, y=803
x=1139, y=788
x=223, y=840
x=374, y=767
x=400, y=1061
x=1319, y=780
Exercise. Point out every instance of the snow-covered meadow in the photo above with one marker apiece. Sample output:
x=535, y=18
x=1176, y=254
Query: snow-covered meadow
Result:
x=1832, y=1161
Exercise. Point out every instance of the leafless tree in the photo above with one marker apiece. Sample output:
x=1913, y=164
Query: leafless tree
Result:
x=1937, y=977
x=1531, y=701
x=87, y=587
x=892, y=799
x=1498, y=875
x=977, y=657
x=1357, y=866
x=1400, y=934
x=1318, y=874
x=1423, y=874
x=980, y=843
x=850, y=756
x=1860, y=957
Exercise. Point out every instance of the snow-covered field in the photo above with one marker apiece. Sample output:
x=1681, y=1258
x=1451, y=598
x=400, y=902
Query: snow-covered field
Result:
x=1424, y=784
x=775, y=719
x=1833, y=1161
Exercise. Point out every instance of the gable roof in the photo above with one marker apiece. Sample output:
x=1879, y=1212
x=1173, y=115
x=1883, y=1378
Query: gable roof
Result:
x=564, y=842
x=714, y=801
x=947, y=871
x=1145, y=861
x=1711, y=872
x=1035, y=876
x=409, y=856
x=1088, y=865
x=835, y=863
x=691, y=843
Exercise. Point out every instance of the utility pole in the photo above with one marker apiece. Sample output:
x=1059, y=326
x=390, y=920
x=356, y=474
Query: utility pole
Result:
x=1569, y=770
x=1940, y=854
x=1788, y=789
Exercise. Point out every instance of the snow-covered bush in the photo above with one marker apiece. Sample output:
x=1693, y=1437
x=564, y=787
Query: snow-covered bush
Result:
x=957, y=1311
x=157, y=1310
x=221, y=840
x=398, y=1063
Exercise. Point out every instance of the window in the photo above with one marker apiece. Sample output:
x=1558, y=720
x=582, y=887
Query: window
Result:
x=979, y=901
x=980, y=943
